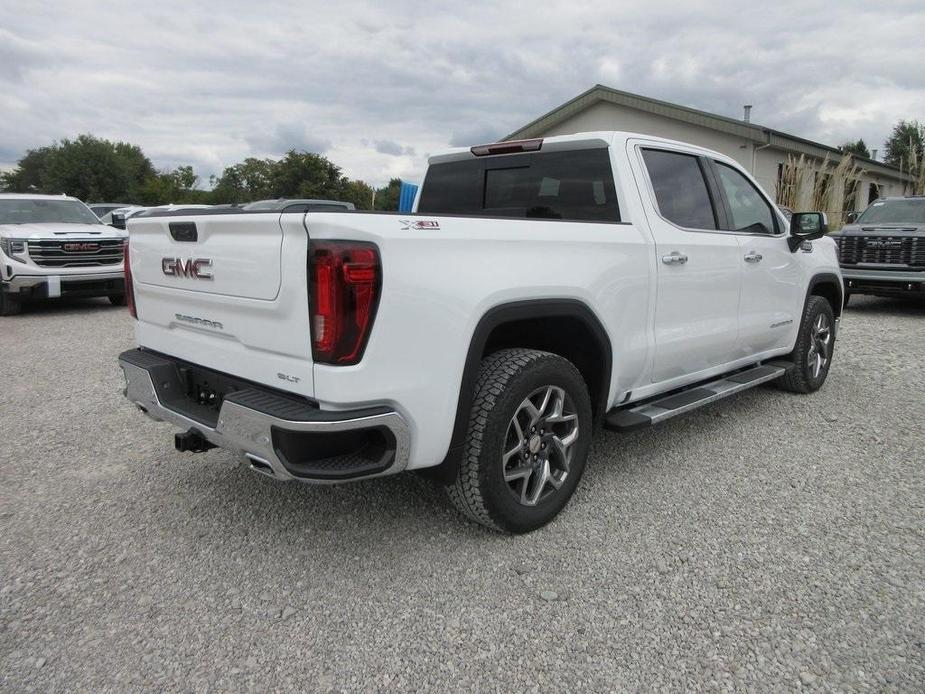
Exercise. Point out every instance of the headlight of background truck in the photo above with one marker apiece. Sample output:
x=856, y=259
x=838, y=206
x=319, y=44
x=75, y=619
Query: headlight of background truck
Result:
x=13, y=247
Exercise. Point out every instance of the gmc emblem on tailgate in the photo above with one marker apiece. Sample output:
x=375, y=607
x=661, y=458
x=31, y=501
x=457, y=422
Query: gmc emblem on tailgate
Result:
x=191, y=267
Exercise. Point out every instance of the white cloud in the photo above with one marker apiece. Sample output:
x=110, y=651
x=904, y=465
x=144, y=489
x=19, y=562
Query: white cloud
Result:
x=391, y=148
x=376, y=87
x=285, y=137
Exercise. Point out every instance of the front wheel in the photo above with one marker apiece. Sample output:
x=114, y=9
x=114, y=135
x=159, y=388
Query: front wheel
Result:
x=812, y=355
x=527, y=442
x=117, y=299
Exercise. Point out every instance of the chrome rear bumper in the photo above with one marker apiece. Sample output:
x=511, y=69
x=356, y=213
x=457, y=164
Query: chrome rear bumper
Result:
x=254, y=435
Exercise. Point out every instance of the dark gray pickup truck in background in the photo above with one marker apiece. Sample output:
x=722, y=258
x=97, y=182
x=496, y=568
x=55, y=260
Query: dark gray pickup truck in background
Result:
x=883, y=251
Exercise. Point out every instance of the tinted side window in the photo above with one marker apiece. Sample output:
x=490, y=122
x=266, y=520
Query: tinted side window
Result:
x=680, y=189
x=453, y=188
x=750, y=211
x=574, y=185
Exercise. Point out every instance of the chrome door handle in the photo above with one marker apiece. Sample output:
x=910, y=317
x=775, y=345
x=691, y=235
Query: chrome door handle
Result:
x=752, y=257
x=674, y=259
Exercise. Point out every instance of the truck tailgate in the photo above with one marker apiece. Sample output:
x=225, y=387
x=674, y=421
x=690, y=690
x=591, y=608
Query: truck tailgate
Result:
x=243, y=249
x=208, y=291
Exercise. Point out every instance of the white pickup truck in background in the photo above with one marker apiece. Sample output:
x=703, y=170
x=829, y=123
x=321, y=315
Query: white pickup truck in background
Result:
x=540, y=287
x=53, y=245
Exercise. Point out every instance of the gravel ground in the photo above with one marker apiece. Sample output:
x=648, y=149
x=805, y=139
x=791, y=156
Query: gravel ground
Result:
x=770, y=542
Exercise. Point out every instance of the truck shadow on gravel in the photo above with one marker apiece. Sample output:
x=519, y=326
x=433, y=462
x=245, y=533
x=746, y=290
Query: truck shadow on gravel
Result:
x=65, y=306
x=356, y=510
x=253, y=506
x=871, y=305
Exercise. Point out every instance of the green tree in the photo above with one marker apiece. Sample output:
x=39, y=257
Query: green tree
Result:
x=95, y=169
x=905, y=146
x=27, y=176
x=387, y=198
x=305, y=175
x=86, y=167
x=358, y=192
x=246, y=181
x=858, y=149
x=185, y=177
x=138, y=165
x=177, y=186
x=296, y=175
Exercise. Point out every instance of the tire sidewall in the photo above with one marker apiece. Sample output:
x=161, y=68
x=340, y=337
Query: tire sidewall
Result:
x=503, y=507
x=818, y=306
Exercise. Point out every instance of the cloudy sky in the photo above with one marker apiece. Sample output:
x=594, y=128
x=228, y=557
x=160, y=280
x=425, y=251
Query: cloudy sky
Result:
x=376, y=86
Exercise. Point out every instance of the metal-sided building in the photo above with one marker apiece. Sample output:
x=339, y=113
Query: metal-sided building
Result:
x=762, y=151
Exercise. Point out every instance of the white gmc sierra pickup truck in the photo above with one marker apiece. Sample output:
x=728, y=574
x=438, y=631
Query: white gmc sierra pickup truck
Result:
x=53, y=245
x=540, y=287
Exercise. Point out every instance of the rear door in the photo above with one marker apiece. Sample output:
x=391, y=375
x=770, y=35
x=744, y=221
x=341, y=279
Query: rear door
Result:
x=699, y=265
x=772, y=280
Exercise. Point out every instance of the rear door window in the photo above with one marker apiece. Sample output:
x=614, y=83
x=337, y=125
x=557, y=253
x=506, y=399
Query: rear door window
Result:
x=574, y=185
x=680, y=189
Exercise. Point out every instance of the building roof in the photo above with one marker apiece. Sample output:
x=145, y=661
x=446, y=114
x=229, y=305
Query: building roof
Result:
x=750, y=131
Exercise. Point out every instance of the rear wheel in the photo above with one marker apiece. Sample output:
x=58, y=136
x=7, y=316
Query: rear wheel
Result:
x=812, y=355
x=9, y=305
x=527, y=443
x=117, y=299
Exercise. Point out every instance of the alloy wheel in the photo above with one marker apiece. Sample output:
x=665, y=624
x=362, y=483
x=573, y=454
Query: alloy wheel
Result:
x=538, y=446
x=820, y=342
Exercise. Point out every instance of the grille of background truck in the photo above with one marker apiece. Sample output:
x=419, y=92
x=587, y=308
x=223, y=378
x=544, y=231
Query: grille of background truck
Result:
x=52, y=253
x=854, y=250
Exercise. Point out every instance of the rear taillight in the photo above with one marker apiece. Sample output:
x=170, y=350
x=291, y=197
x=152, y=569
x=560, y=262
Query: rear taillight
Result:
x=345, y=278
x=129, y=288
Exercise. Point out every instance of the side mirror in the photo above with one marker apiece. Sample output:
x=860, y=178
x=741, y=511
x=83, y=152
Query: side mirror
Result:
x=851, y=217
x=118, y=221
x=806, y=226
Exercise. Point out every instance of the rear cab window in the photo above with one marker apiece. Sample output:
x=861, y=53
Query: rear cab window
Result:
x=576, y=185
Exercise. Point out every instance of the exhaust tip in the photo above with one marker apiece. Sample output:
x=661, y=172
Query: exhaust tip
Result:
x=260, y=465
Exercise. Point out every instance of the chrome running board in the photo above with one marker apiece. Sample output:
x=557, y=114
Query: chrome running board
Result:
x=664, y=407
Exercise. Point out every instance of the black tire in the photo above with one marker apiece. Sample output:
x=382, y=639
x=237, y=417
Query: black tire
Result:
x=9, y=305
x=807, y=374
x=506, y=380
x=117, y=299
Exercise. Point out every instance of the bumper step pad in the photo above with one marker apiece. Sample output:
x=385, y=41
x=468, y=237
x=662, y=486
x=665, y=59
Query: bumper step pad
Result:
x=281, y=435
